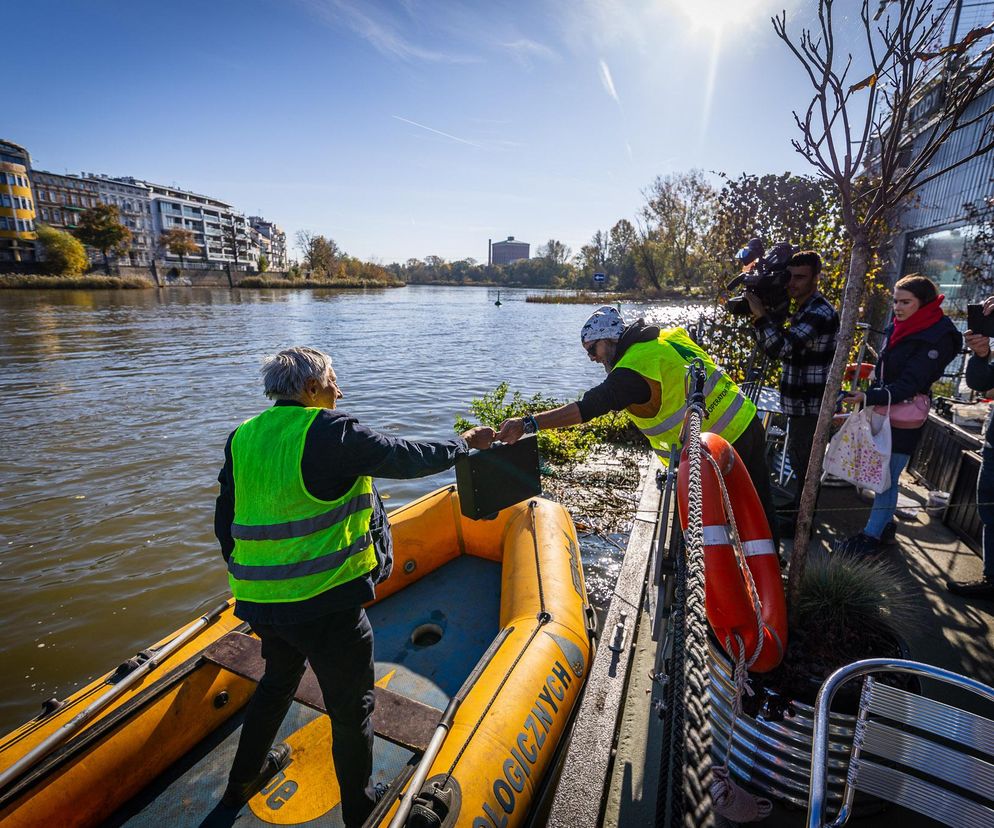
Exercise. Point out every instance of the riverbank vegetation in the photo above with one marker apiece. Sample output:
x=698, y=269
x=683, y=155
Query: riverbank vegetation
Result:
x=35, y=281
x=297, y=284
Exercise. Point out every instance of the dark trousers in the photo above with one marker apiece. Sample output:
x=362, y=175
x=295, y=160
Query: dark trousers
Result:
x=802, y=434
x=751, y=447
x=985, y=507
x=339, y=647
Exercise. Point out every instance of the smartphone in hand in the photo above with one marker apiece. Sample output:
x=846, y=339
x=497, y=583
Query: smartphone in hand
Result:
x=977, y=322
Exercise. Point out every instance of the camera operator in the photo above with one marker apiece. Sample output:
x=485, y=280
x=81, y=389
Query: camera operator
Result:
x=805, y=343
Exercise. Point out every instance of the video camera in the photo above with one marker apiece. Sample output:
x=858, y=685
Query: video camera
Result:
x=764, y=275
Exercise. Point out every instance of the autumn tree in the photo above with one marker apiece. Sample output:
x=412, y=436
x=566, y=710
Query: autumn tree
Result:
x=859, y=134
x=320, y=253
x=100, y=227
x=179, y=242
x=678, y=214
x=61, y=252
x=555, y=251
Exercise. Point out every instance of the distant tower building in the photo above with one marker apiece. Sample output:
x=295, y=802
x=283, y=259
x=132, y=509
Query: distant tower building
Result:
x=17, y=209
x=505, y=252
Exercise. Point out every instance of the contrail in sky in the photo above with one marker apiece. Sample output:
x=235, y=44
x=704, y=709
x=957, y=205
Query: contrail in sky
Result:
x=609, y=83
x=437, y=131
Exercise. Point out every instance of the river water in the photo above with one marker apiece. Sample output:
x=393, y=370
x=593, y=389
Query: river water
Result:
x=116, y=406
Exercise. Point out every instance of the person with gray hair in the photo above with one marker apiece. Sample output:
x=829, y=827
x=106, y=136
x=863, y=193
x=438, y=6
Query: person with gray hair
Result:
x=306, y=539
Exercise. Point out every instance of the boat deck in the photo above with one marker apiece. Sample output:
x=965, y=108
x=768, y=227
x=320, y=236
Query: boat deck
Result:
x=462, y=599
x=614, y=755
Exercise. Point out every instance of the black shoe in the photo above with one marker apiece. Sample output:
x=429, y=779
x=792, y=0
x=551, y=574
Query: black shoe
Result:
x=889, y=536
x=861, y=545
x=982, y=587
x=238, y=793
x=380, y=790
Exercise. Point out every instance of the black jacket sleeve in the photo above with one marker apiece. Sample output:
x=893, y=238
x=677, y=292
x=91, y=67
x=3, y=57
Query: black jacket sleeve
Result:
x=224, y=506
x=979, y=373
x=622, y=388
x=339, y=448
x=920, y=371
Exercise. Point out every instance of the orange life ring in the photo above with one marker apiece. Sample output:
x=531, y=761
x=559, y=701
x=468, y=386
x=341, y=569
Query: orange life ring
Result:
x=726, y=598
x=864, y=370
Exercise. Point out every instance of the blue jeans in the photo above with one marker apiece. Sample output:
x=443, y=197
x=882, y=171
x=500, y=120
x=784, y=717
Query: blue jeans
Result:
x=985, y=507
x=885, y=503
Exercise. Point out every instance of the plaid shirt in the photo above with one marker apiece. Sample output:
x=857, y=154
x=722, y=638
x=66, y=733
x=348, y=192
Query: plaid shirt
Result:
x=806, y=347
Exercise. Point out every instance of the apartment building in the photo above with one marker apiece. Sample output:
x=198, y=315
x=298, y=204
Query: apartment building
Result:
x=17, y=209
x=272, y=242
x=61, y=199
x=134, y=205
x=218, y=229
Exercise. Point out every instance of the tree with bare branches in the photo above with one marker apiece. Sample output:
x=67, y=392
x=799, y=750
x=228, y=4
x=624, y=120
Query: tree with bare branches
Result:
x=859, y=132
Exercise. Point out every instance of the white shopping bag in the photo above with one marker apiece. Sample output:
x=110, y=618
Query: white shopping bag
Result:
x=860, y=451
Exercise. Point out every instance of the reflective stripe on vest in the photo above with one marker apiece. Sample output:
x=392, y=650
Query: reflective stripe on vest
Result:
x=676, y=418
x=290, y=545
x=306, y=526
x=663, y=362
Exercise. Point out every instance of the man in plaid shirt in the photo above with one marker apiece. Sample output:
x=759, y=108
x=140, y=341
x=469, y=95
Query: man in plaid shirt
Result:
x=805, y=344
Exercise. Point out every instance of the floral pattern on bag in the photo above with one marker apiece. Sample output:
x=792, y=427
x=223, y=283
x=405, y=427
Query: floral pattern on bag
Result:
x=860, y=454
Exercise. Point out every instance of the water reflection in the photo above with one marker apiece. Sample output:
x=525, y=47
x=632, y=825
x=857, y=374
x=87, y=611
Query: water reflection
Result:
x=116, y=408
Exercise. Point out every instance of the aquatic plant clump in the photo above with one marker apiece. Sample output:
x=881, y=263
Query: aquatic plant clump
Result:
x=560, y=446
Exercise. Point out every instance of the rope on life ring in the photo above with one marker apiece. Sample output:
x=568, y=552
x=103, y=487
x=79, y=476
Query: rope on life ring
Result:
x=744, y=594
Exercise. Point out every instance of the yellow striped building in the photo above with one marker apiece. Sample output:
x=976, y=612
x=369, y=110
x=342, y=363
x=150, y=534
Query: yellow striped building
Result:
x=17, y=208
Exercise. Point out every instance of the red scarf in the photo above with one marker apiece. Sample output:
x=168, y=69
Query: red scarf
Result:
x=924, y=317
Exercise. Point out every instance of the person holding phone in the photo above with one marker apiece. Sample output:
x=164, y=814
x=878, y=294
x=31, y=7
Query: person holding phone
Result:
x=980, y=377
x=921, y=342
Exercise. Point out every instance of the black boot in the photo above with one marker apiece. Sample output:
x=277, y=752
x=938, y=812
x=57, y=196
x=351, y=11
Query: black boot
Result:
x=238, y=793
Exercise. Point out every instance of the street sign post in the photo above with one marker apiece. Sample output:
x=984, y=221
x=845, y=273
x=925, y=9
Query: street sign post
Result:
x=599, y=278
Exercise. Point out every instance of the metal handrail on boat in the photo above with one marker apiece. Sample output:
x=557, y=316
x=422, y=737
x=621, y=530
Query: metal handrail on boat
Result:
x=64, y=733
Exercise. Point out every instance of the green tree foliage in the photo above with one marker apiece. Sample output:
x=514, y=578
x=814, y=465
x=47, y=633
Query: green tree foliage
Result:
x=679, y=215
x=263, y=263
x=179, y=242
x=555, y=251
x=100, y=227
x=62, y=253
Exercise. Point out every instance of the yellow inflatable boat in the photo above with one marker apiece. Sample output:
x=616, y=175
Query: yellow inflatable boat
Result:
x=483, y=643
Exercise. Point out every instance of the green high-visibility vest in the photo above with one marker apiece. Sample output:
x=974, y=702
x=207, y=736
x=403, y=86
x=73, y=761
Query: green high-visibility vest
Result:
x=663, y=363
x=289, y=545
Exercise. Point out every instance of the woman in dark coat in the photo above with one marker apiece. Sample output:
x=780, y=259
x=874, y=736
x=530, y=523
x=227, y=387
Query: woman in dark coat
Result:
x=921, y=342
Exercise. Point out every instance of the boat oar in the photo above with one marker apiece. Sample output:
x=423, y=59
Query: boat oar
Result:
x=434, y=746
x=59, y=737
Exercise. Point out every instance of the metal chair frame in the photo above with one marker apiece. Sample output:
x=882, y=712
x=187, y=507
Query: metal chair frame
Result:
x=927, y=756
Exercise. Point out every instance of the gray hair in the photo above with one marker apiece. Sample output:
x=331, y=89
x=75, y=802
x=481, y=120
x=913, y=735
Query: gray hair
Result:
x=285, y=374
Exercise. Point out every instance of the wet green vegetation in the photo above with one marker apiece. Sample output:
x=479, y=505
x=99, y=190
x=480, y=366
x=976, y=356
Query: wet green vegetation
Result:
x=34, y=281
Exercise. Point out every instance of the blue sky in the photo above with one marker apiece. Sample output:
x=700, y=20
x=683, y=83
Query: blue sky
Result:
x=406, y=129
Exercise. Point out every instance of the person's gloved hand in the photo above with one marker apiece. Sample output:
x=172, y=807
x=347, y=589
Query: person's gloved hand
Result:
x=480, y=437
